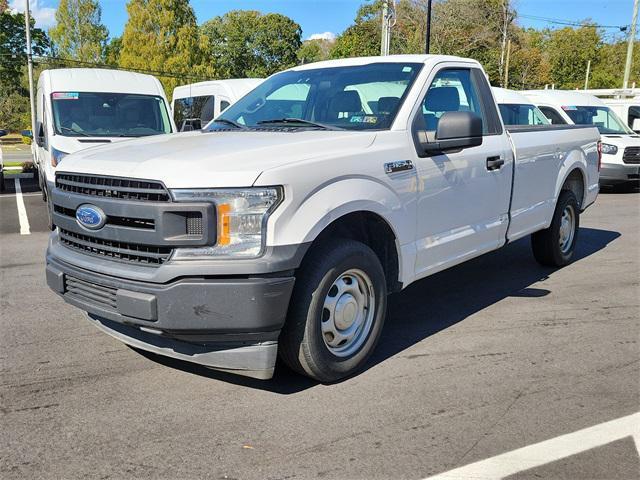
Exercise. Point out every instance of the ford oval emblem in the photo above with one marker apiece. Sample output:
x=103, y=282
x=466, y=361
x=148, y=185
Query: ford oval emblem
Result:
x=90, y=216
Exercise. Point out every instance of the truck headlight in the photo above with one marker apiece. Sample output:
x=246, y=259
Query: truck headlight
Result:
x=57, y=156
x=609, y=149
x=241, y=214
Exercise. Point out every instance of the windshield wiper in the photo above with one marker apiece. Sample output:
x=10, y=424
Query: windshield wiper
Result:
x=230, y=122
x=76, y=131
x=300, y=121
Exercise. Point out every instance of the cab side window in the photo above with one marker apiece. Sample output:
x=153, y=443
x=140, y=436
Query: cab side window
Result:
x=452, y=90
x=554, y=117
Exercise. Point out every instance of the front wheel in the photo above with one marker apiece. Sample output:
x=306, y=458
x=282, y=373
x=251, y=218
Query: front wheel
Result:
x=555, y=246
x=337, y=311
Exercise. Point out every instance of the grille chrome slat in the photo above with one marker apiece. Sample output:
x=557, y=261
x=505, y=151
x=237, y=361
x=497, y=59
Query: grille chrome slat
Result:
x=631, y=155
x=112, y=187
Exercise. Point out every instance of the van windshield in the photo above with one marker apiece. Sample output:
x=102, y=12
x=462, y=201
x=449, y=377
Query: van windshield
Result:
x=521, y=114
x=602, y=117
x=98, y=114
x=358, y=97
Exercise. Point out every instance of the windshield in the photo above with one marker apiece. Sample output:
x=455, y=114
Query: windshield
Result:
x=521, y=114
x=97, y=114
x=191, y=113
x=364, y=97
x=602, y=117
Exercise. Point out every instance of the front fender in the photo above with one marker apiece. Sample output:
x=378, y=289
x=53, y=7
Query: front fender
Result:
x=302, y=221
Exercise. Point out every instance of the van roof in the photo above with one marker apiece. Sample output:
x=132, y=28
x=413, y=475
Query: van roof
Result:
x=563, y=98
x=504, y=95
x=100, y=80
x=410, y=58
x=235, y=87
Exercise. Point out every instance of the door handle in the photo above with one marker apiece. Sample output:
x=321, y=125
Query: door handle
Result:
x=494, y=163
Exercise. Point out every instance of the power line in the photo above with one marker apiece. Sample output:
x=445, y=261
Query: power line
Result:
x=572, y=23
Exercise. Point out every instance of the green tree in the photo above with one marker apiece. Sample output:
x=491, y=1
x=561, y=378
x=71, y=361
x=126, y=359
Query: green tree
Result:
x=78, y=33
x=314, y=50
x=569, y=50
x=245, y=43
x=4, y=5
x=14, y=111
x=363, y=37
x=162, y=35
x=608, y=72
x=12, y=49
x=112, y=51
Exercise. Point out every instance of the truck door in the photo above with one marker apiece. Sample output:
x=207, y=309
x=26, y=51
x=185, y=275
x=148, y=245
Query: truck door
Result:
x=463, y=196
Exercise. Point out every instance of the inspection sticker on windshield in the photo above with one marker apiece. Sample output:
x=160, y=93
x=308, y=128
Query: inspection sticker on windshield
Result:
x=65, y=95
x=364, y=119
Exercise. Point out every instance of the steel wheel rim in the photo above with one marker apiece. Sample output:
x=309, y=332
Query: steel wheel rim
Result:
x=567, y=229
x=348, y=313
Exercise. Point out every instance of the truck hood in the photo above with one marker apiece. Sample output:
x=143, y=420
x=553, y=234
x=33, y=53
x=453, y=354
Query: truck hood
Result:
x=75, y=144
x=212, y=159
x=621, y=141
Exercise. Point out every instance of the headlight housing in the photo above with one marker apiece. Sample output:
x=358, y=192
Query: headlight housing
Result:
x=609, y=149
x=57, y=156
x=241, y=214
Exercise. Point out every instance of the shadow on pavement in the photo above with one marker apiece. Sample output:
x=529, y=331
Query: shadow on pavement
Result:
x=27, y=185
x=433, y=304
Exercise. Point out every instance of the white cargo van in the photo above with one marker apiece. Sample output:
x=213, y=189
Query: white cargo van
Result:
x=620, y=144
x=197, y=104
x=627, y=109
x=516, y=109
x=78, y=108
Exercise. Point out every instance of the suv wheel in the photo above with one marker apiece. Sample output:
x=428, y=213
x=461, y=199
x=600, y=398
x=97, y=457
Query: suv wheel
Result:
x=555, y=246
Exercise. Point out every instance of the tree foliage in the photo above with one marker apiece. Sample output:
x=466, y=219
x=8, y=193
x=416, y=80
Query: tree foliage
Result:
x=12, y=49
x=163, y=36
x=245, y=43
x=79, y=33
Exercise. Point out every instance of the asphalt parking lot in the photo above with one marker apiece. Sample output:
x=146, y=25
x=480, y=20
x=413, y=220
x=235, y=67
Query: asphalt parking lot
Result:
x=498, y=367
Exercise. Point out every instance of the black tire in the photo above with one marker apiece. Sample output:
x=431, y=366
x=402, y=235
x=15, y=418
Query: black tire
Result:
x=546, y=243
x=302, y=344
x=43, y=188
x=2, y=186
x=50, y=223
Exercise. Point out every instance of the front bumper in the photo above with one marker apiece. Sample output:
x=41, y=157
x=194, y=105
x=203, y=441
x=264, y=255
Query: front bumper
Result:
x=616, y=173
x=230, y=324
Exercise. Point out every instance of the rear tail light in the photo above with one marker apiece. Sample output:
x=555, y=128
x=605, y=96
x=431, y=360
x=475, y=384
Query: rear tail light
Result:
x=599, y=154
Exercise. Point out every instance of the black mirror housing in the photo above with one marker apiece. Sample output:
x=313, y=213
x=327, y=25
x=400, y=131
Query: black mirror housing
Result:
x=456, y=130
x=3, y=133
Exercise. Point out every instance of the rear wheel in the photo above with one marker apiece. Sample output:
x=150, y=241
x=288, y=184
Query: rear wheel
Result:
x=555, y=246
x=337, y=311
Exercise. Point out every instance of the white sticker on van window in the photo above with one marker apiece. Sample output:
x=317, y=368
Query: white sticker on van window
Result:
x=407, y=69
x=65, y=95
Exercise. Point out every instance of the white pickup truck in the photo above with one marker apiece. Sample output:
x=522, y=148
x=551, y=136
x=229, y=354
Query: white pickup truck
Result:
x=282, y=227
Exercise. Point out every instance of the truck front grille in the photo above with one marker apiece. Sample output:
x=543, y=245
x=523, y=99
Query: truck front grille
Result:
x=113, y=187
x=90, y=292
x=129, y=222
x=631, y=155
x=115, y=250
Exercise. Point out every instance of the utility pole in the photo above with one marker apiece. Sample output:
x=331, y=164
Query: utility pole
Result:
x=586, y=78
x=428, y=32
x=388, y=21
x=27, y=21
x=632, y=38
x=506, y=65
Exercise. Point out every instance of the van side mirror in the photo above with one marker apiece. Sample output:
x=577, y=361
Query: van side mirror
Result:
x=635, y=126
x=40, y=136
x=3, y=133
x=26, y=133
x=455, y=131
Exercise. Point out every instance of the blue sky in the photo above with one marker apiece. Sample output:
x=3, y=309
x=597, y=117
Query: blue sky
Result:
x=320, y=16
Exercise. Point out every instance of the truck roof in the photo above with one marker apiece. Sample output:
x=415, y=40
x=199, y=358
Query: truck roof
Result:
x=235, y=87
x=564, y=97
x=99, y=80
x=504, y=95
x=344, y=62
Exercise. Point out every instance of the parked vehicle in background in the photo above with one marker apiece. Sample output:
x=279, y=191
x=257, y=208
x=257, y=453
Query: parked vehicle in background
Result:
x=197, y=104
x=516, y=109
x=288, y=220
x=78, y=108
x=2, y=134
x=625, y=102
x=620, y=144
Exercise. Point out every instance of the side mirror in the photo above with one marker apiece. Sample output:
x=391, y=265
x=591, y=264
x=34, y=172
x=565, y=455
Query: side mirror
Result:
x=27, y=133
x=40, y=137
x=456, y=130
x=3, y=133
x=635, y=126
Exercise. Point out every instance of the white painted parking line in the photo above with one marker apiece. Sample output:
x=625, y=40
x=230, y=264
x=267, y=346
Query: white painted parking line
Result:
x=539, y=454
x=22, y=211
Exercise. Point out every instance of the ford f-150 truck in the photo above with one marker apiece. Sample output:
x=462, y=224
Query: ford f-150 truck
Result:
x=282, y=226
